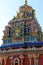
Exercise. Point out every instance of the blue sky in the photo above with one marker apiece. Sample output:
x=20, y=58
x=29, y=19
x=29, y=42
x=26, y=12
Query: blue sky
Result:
x=8, y=9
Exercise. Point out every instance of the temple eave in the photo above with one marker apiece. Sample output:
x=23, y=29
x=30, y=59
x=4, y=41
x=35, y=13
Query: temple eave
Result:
x=18, y=45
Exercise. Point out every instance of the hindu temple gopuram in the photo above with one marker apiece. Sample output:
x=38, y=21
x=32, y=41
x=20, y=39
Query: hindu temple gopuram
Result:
x=23, y=39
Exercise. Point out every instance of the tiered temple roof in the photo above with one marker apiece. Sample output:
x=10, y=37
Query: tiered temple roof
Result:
x=23, y=30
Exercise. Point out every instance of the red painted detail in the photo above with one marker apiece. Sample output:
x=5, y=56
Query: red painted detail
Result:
x=32, y=61
x=8, y=62
x=40, y=61
x=16, y=56
x=3, y=62
x=26, y=61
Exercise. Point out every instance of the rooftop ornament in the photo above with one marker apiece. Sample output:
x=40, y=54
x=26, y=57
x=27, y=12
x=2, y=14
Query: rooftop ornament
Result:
x=25, y=2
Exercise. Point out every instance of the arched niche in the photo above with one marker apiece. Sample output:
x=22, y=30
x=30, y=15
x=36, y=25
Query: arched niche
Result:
x=16, y=61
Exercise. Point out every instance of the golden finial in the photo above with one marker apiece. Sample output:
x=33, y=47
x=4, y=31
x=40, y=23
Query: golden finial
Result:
x=26, y=2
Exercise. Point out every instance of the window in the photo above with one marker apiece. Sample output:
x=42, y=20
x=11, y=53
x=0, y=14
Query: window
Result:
x=9, y=33
x=36, y=39
x=10, y=41
x=26, y=38
x=35, y=29
x=31, y=38
x=16, y=61
x=5, y=41
x=25, y=30
x=29, y=29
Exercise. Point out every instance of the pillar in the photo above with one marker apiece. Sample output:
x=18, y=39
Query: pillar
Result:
x=30, y=61
x=21, y=57
x=36, y=61
x=5, y=62
x=11, y=60
x=21, y=61
x=5, y=59
x=13, y=38
x=30, y=58
x=36, y=57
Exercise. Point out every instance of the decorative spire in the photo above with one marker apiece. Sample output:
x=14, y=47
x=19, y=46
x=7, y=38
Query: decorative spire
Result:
x=25, y=2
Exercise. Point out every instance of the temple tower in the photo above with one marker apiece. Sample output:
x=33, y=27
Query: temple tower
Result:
x=23, y=39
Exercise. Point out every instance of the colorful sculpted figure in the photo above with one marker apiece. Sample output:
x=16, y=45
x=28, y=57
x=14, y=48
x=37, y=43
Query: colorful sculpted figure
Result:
x=17, y=31
x=23, y=39
x=24, y=25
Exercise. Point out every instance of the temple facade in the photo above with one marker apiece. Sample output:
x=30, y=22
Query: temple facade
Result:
x=23, y=39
